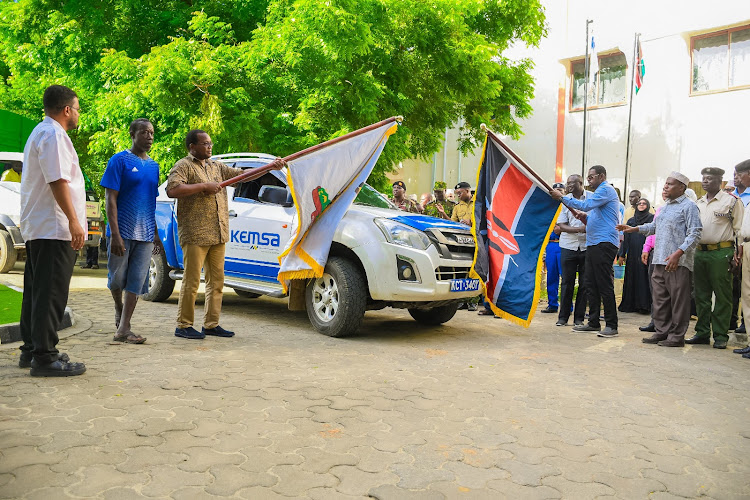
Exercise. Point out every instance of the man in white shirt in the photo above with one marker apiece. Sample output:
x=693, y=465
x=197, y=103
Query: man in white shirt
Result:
x=572, y=256
x=53, y=225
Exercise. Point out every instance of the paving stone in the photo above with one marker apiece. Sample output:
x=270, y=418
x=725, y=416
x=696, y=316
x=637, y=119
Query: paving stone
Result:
x=85, y=457
x=582, y=491
x=103, y=477
x=229, y=479
x=527, y=474
x=21, y=456
x=122, y=494
x=320, y=461
x=260, y=493
x=512, y=490
x=262, y=460
x=474, y=477
x=294, y=481
x=414, y=478
x=201, y=458
x=353, y=481
x=144, y=457
x=28, y=478
x=165, y=479
x=391, y=492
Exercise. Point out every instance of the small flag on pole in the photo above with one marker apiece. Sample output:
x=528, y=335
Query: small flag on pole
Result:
x=640, y=70
x=594, y=65
x=324, y=182
x=512, y=221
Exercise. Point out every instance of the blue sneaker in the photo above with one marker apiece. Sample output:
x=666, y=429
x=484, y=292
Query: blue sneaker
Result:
x=217, y=332
x=189, y=333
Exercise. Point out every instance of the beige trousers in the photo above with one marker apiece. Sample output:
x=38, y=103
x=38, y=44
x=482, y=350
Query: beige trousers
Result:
x=746, y=279
x=211, y=260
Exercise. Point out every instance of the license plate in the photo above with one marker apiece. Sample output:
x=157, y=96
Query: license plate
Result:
x=464, y=240
x=465, y=285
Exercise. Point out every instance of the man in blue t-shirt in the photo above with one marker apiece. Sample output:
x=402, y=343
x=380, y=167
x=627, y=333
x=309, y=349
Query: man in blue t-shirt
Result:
x=131, y=181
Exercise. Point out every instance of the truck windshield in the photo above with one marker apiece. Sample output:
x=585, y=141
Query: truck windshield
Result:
x=371, y=197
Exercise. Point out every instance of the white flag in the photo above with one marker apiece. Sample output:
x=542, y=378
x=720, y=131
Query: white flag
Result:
x=324, y=184
x=594, y=64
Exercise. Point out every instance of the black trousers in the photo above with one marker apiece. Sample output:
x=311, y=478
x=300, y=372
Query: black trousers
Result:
x=572, y=262
x=600, y=283
x=46, y=282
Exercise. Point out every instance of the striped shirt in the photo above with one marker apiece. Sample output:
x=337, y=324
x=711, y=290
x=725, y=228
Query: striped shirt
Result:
x=678, y=226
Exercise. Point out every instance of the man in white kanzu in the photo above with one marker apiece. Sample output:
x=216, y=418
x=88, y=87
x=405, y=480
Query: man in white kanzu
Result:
x=53, y=225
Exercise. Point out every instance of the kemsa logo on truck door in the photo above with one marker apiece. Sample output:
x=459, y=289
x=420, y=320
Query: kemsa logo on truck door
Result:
x=255, y=239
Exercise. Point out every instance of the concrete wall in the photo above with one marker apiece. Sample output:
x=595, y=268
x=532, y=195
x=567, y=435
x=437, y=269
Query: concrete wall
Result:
x=671, y=130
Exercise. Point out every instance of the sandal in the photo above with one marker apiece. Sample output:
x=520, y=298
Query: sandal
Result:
x=130, y=338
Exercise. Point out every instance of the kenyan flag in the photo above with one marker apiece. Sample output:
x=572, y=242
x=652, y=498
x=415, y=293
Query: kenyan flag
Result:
x=640, y=69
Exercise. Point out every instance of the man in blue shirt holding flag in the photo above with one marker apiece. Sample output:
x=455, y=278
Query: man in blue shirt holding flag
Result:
x=602, y=209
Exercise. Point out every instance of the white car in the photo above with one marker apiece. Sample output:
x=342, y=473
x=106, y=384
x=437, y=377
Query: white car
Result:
x=379, y=257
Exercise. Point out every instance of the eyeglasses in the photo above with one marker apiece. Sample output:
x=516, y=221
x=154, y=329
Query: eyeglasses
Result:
x=206, y=144
x=592, y=177
x=642, y=203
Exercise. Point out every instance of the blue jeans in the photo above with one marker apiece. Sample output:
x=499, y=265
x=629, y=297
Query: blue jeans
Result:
x=552, y=261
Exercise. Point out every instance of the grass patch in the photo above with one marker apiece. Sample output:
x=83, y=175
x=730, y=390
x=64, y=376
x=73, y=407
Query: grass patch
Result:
x=10, y=305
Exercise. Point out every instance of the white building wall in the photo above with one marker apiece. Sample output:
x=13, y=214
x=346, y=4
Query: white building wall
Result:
x=671, y=130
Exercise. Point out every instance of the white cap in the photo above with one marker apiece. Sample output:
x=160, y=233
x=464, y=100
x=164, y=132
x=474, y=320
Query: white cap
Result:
x=680, y=177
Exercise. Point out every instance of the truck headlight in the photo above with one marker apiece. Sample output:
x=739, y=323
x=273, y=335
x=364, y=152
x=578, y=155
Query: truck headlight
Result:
x=403, y=235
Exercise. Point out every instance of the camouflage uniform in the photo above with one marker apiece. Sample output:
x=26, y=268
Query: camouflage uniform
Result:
x=406, y=205
x=431, y=208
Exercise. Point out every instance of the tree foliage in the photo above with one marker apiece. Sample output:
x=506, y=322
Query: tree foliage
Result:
x=272, y=76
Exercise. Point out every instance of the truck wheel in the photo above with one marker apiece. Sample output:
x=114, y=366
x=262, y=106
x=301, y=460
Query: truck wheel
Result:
x=8, y=253
x=434, y=315
x=160, y=285
x=336, y=301
x=245, y=294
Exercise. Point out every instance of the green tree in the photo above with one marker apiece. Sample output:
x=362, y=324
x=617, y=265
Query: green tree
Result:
x=271, y=75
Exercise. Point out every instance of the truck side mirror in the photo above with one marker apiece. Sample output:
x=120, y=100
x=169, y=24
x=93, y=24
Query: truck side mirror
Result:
x=276, y=195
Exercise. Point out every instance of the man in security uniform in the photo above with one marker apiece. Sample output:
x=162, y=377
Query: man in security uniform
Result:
x=465, y=206
x=401, y=201
x=440, y=207
x=721, y=214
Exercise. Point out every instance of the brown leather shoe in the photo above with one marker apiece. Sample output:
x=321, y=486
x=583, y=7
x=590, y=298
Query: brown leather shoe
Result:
x=672, y=343
x=654, y=339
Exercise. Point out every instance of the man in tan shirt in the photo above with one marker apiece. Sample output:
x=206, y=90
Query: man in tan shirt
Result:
x=721, y=215
x=742, y=173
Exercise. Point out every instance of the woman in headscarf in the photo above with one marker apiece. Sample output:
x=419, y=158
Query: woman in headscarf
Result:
x=636, y=296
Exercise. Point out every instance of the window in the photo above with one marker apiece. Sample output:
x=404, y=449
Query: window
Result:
x=608, y=88
x=721, y=61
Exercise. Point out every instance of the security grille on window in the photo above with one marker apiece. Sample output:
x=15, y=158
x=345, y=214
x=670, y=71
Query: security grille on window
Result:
x=609, y=88
x=721, y=61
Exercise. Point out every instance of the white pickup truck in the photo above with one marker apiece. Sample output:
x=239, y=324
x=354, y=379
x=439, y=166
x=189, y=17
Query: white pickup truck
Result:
x=380, y=256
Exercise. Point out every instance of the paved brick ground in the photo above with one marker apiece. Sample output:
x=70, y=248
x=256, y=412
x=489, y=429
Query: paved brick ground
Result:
x=475, y=409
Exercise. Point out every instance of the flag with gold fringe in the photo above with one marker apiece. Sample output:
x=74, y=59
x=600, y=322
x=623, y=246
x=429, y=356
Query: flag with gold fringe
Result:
x=512, y=221
x=324, y=180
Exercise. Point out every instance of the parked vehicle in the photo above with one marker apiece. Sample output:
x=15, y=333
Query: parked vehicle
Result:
x=380, y=256
x=12, y=246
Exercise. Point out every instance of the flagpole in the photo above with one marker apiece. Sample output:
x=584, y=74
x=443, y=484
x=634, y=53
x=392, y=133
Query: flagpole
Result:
x=254, y=173
x=630, y=112
x=586, y=69
x=541, y=181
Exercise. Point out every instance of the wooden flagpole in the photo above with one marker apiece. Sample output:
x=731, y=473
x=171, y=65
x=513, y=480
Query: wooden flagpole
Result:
x=523, y=164
x=254, y=173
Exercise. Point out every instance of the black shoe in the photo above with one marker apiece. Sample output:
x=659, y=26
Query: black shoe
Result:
x=746, y=355
x=654, y=339
x=720, y=344
x=586, y=328
x=608, y=332
x=741, y=329
x=28, y=362
x=189, y=333
x=57, y=369
x=472, y=307
x=698, y=340
x=549, y=310
x=217, y=332
x=648, y=328
x=561, y=322
x=672, y=343
x=743, y=350
x=463, y=305
x=86, y=266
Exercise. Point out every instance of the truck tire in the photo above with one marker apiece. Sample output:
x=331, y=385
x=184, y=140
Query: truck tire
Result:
x=8, y=253
x=245, y=294
x=434, y=315
x=336, y=301
x=160, y=285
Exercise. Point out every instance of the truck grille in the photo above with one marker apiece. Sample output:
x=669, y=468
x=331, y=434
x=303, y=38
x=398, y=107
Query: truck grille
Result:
x=454, y=244
x=445, y=273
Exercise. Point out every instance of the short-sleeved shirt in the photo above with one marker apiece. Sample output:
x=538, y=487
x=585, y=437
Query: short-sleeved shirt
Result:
x=431, y=208
x=137, y=182
x=49, y=156
x=744, y=196
x=462, y=211
x=202, y=219
x=603, y=210
x=721, y=217
x=572, y=241
x=406, y=205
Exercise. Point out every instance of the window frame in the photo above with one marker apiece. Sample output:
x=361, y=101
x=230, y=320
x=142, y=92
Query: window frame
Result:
x=727, y=32
x=596, y=104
